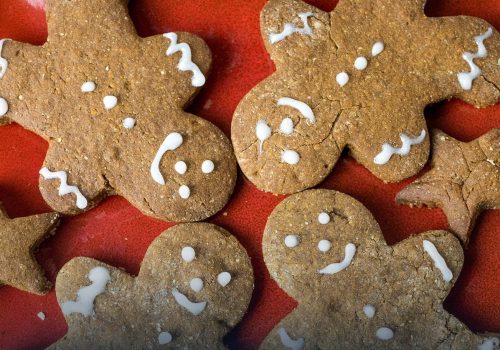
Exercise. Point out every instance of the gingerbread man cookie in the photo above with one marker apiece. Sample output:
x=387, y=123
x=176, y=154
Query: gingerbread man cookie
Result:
x=357, y=77
x=19, y=238
x=463, y=181
x=354, y=291
x=194, y=285
x=111, y=106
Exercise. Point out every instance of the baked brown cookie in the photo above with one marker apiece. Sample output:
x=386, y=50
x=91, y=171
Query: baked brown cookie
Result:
x=194, y=285
x=354, y=291
x=19, y=238
x=358, y=77
x=111, y=106
x=463, y=181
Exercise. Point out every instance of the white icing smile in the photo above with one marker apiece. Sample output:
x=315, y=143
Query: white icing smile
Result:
x=182, y=300
x=288, y=342
x=300, y=106
x=350, y=250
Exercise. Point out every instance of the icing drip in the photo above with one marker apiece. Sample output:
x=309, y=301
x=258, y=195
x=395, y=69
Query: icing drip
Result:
x=323, y=218
x=184, y=192
x=489, y=344
x=289, y=342
x=88, y=86
x=196, y=284
x=128, y=123
x=84, y=304
x=291, y=28
x=182, y=300
x=439, y=262
x=377, y=48
x=290, y=157
x=4, y=107
x=324, y=245
x=224, y=278
x=286, y=126
x=164, y=338
x=342, y=78
x=188, y=254
x=304, y=109
x=384, y=333
x=64, y=188
x=361, y=63
x=171, y=143
x=466, y=78
x=3, y=62
x=388, y=150
x=180, y=167
x=263, y=132
x=207, y=166
x=291, y=241
x=185, y=63
x=350, y=250
x=369, y=311
x=110, y=102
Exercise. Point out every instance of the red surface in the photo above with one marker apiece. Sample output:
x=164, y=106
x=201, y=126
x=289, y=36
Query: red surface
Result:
x=118, y=234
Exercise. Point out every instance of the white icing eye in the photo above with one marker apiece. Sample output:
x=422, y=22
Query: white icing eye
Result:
x=196, y=284
x=180, y=167
x=4, y=107
x=361, y=63
x=369, y=311
x=224, y=278
x=164, y=338
x=207, y=166
x=110, y=101
x=184, y=192
x=342, y=78
x=88, y=86
x=291, y=241
x=324, y=245
x=323, y=218
x=188, y=254
x=128, y=123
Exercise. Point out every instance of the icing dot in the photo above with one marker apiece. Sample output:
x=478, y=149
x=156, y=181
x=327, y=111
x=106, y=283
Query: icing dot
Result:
x=369, y=311
x=110, y=101
x=342, y=78
x=164, y=338
x=207, y=166
x=324, y=245
x=188, y=254
x=323, y=218
x=224, y=278
x=291, y=241
x=377, y=48
x=180, y=167
x=184, y=192
x=88, y=86
x=128, y=123
x=4, y=107
x=384, y=333
x=361, y=63
x=263, y=132
x=290, y=157
x=41, y=316
x=286, y=126
x=196, y=284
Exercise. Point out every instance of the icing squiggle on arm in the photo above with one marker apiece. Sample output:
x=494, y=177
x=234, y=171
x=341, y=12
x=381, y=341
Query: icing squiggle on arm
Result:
x=182, y=300
x=171, y=143
x=350, y=250
x=291, y=28
x=185, y=63
x=466, y=78
x=388, y=150
x=64, y=188
x=439, y=262
x=289, y=342
x=304, y=109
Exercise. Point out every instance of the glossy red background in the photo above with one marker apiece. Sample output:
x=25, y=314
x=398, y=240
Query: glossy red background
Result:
x=118, y=234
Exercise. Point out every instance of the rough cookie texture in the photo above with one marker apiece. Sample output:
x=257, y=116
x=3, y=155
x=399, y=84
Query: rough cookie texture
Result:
x=358, y=77
x=111, y=106
x=18, y=240
x=354, y=292
x=201, y=264
x=463, y=181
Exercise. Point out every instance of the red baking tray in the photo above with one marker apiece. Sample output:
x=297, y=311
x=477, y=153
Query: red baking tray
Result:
x=118, y=234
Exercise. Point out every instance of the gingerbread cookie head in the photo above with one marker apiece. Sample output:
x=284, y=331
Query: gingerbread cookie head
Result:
x=111, y=105
x=358, y=77
x=194, y=285
x=354, y=291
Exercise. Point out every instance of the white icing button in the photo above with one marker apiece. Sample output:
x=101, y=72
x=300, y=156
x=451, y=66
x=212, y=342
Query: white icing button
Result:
x=384, y=333
x=377, y=48
x=323, y=218
x=196, y=284
x=361, y=63
x=286, y=126
x=180, y=167
x=369, y=311
x=291, y=241
x=290, y=157
x=128, y=123
x=324, y=245
x=342, y=78
x=207, y=166
x=263, y=132
x=164, y=338
x=184, y=192
x=88, y=86
x=188, y=254
x=41, y=316
x=4, y=107
x=224, y=278
x=110, y=101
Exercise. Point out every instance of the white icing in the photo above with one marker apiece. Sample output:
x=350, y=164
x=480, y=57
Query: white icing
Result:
x=188, y=254
x=303, y=108
x=84, y=304
x=323, y=218
x=286, y=126
x=88, y=86
x=184, y=192
x=324, y=245
x=466, y=78
x=291, y=241
x=289, y=342
x=171, y=143
x=207, y=166
x=377, y=48
x=489, y=344
x=384, y=333
x=263, y=132
x=342, y=78
x=196, y=284
x=36, y=3
x=185, y=63
x=360, y=63
x=3, y=62
x=180, y=167
x=4, y=107
x=164, y=338
x=369, y=311
x=64, y=188
x=128, y=123
x=388, y=150
x=110, y=102
x=350, y=250
x=41, y=315
x=439, y=262
x=224, y=278
x=182, y=300
x=290, y=28
x=290, y=157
